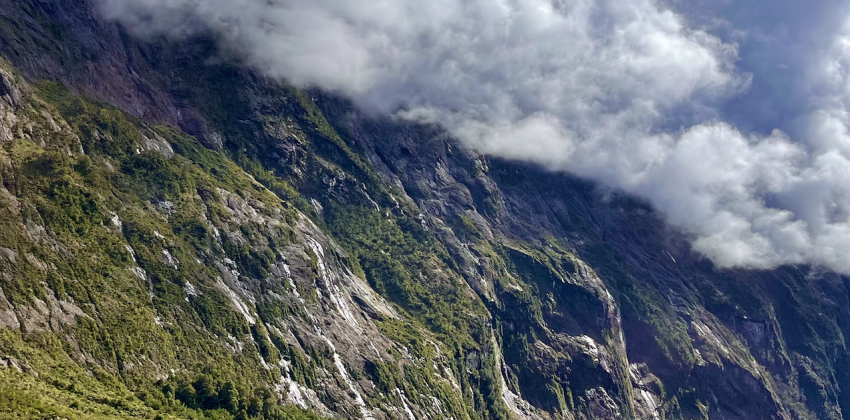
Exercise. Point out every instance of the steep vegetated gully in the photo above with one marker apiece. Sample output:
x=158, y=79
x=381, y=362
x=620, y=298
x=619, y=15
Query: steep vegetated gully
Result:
x=182, y=238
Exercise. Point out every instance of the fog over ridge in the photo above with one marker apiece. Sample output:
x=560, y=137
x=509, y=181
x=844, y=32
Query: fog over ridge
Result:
x=736, y=129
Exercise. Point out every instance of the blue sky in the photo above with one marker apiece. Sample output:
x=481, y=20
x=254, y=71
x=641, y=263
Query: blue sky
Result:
x=730, y=117
x=778, y=41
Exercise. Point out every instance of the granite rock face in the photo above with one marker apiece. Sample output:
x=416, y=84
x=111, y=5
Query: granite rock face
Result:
x=181, y=237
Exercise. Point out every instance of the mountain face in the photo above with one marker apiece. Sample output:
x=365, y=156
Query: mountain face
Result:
x=183, y=238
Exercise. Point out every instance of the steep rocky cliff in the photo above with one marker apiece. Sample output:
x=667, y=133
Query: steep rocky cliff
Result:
x=183, y=238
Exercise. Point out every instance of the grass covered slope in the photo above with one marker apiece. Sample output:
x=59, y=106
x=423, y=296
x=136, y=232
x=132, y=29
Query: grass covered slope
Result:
x=97, y=320
x=145, y=274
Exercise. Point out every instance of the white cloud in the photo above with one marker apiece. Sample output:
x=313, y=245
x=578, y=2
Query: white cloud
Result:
x=588, y=86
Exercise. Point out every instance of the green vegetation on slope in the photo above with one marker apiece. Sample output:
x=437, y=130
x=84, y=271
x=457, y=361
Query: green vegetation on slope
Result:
x=75, y=224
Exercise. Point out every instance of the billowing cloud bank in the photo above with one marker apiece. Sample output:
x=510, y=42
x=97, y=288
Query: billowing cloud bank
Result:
x=625, y=92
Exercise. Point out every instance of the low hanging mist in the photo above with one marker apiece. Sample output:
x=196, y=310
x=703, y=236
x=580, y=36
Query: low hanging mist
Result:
x=732, y=121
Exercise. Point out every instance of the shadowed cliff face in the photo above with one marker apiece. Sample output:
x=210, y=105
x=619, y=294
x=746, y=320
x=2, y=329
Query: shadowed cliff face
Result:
x=719, y=341
x=181, y=237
